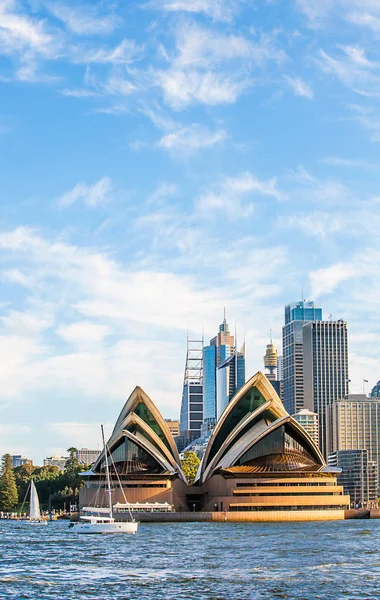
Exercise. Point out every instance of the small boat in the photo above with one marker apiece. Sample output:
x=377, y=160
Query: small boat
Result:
x=103, y=522
x=34, y=510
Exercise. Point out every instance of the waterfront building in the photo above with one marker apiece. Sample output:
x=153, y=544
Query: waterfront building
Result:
x=173, y=427
x=325, y=366
x=220, y=354
x=261, y=462
x=358, y=477
x=309, y=421
x=375, y=393
x=86, y=456
x=143, y=453
x=56, y=461
x=192, y=392
x=18, y=460
x=296, y=315
x=354, y=423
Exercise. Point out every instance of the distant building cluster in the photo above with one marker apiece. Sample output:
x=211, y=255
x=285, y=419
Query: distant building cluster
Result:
x=312, y=379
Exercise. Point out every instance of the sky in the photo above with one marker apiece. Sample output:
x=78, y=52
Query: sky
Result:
x=162, y=159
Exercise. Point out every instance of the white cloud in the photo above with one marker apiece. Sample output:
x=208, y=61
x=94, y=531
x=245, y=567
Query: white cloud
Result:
x=300, y=87
x=91, y=195
x=83, y=332
x=213, y=68
x=79, y=93
x=325, y=281
x=229, y=195
x=125, y=53
x=191, y=138
x=181, y=88
x=220, y=10
x=83, y=19
x=19, y=32
x=365, y=19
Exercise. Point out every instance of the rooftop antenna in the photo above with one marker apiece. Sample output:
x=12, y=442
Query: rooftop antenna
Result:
x=270, y=335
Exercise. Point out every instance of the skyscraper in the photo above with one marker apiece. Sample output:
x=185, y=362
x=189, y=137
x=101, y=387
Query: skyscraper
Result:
x=354, y=423
x=230, y=377
x=296, y=315
x=221, y=348
x=325, y=362
x=192, y=393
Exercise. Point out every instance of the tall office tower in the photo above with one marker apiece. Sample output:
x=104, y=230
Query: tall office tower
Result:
x=280, y=368
x=325, y=362
x=221, y=347
x=358, y=476
x=192, y=395
x=296, y=315
x=230, y=377
x=309, y=421
x=354, y=423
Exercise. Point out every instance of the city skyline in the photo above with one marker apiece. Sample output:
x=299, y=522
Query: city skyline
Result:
x=159, y=163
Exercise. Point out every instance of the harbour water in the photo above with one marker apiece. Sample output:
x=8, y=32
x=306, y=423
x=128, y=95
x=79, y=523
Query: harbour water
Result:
x=193, y=561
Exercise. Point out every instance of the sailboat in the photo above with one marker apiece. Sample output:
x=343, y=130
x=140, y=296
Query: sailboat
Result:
x=104, y=522
x=34, y=510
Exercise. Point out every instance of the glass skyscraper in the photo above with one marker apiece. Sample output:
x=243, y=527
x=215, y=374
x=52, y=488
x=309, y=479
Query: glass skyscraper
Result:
x=296, y=315
x=230, y=377
x=221, y=354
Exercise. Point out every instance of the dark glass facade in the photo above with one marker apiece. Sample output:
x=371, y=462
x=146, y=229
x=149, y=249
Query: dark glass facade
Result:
x=296, y=315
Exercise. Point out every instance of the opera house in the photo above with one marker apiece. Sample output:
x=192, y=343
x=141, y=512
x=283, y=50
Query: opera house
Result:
x=259, y=464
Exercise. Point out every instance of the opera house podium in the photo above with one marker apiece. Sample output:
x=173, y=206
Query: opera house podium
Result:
x=259, y=465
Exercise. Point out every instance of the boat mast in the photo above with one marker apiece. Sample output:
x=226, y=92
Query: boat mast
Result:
x=107, y=472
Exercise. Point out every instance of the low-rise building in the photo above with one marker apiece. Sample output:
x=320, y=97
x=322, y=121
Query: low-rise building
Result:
x=56, y=461
x=86, y=456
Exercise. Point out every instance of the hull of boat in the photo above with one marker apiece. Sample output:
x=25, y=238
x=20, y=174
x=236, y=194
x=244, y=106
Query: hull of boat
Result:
x=105, y=528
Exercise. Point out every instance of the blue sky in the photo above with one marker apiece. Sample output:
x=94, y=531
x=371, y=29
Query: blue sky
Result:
x=164, y=158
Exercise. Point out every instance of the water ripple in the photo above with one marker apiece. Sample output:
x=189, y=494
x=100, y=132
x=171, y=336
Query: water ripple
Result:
x=200, y=561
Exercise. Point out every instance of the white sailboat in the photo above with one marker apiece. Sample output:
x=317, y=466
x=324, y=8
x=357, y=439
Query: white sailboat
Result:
x=104, y=522
x=34, y=510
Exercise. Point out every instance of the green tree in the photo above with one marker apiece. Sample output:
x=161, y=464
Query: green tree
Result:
x=190, y=464
x=8, y=489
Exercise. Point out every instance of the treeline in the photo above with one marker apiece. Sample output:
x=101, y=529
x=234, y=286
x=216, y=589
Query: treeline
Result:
x=54, y=487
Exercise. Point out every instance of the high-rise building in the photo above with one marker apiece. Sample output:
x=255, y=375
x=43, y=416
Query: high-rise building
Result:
x=296, y=315
x=192, y=395
x=86, y=456
x=220, y=349
x=18, y=460
x=230, y=377
x=280, y=368
x=354, y=423
x=325, y=365
x=309, y=421
x=358, y=476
